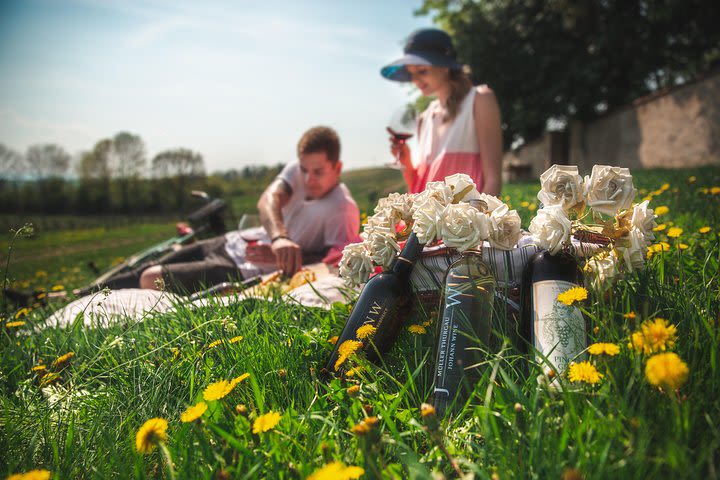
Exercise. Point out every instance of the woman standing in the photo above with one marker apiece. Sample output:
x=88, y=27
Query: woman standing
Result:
x=460, y=131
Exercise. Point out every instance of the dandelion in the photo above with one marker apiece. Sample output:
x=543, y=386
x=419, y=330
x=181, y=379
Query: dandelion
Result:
x=353, y=390
x=31, y=475
x=193, y=413
x=654, y=336
x=661, y=210
x=715, y=190
x=19, y=323
x=233, y=383
x=360, y=429
x=532, y=207
x=603, y=349
x=214, y=344
x=58, y=288
x=62, y=360
x=683, y=246
x=365, y=331
x=49, y=379
x=524, y=204
x=333, y=340
x=337, y=471
x=347, y=348
x=266, y=422
x=674, y=232
x=241, y=409
x=217, y=390
x=575, y=294
x=692, y=179
x=150, y=434
x=353, y=371
x=417, y=329
x=666, y=370
x=664, y=186
x=427, y=410
x=39, y=369
x=584, y=372
x=705, y=229
x=630, y=315
x=236, y=339
x=23, y=312
x=660, y=228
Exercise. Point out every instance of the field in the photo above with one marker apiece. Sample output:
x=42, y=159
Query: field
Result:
x=82, y=419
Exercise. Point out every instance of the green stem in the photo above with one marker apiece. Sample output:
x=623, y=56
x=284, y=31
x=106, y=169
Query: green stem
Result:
x=168, y=460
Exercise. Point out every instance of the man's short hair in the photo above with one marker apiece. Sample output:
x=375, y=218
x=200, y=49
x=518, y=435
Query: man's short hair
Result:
x=320, y=139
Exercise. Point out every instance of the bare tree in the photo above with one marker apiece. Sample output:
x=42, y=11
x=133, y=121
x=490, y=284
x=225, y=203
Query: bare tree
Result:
x=47, y=161
x=178, y=167
x=11, y=162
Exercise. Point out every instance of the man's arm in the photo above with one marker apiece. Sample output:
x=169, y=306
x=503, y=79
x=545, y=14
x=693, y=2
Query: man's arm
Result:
x=272, y=200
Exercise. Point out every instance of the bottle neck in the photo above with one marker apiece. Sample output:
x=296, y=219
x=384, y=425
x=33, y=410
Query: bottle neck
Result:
x=408, y=255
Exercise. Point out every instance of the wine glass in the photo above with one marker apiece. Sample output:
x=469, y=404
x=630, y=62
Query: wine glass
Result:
x=251, y=229
x=402, y=128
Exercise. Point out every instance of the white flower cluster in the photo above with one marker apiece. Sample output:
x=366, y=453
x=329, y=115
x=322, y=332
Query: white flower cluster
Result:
x=607, y=191
x=441, y=212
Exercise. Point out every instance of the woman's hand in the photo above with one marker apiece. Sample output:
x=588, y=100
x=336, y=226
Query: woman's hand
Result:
x=400, y=151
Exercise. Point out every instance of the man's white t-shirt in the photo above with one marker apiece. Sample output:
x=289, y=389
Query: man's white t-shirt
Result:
x=316, y=225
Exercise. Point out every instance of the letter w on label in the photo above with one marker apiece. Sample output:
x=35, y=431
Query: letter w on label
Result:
x=452, y=300
x=375, y=310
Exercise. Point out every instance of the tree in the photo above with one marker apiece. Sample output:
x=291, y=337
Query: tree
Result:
x=11, y=162
x=127, y=163
x=178, y=167
x=95, y=163
x=575, y=59
x=93, y=196
x=47, y=161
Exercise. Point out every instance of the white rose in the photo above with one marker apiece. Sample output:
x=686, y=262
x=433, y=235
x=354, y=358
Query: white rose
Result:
x=426, y=216
x=356, y=264
x=505, y=229
x=396, y=206
x=643, y=218
x=551, y=228
x=493, y=203
x=562, y=185
x=463, y=226
x=438, y=191
x=378, y=223
x=609, y=189
x=462, y=186
x=633, y=250
x=382, y=248
x=603, y=268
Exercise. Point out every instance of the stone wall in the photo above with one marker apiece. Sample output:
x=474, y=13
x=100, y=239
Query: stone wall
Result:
x=670, y=129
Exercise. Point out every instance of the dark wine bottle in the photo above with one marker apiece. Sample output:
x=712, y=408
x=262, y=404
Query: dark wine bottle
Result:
x=383, y=305
x=464, y=328
x=554, y=331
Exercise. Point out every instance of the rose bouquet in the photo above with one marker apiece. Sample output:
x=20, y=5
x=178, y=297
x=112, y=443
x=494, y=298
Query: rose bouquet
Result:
x=441, y=213
x=599, y=208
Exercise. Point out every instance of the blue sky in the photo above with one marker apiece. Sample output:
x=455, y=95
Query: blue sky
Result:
x=238, y=81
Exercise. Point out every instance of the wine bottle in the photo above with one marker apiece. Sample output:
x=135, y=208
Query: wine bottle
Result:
x=383, y=305
x=556, y=332
x=464, y=328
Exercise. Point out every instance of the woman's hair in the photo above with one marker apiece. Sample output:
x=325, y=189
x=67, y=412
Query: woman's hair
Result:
x=320, y=139
x=460, y=85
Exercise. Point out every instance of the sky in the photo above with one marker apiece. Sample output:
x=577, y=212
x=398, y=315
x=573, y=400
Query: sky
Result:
x=238, y=81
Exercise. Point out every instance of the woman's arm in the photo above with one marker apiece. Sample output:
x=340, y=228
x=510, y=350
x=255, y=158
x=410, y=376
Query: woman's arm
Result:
x=486, y=112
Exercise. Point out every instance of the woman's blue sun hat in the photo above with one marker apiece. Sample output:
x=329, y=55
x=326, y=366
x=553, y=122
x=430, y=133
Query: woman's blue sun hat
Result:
x=427, y=46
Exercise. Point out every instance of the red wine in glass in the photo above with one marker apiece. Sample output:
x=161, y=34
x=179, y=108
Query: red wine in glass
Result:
x=402, y=128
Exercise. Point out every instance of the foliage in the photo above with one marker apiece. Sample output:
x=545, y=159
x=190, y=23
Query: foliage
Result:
x=575, y=59
x=86, y=423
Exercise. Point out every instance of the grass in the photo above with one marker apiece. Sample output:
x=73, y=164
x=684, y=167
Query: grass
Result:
x=84, y=426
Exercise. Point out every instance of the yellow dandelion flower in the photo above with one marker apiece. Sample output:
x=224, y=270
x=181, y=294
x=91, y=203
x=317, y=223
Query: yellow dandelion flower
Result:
x=603, y=349
x=193, y=413
x=427, y=410
x=664, y=186
x=584, y=372
x=266, y=422
x=655, y=335
x=353, y=371
x=58, y=288
x=41, y=273
x=19, y=323
x=704, y=230
x=660, y=228
x=150, y=434
x=666, y=370
x=715, y=190
x=236, y=380
x=532, y=207
x=333, y=340
x=630, y=315
x=674, y=232
x=575, y=294
x=337, y=471
x=40, y=296
x=31, y=475
x=692, y=179
x=417, y=329
x=217, y=390
x=683, y=246
x=427, y=323
x=62, y=360
x=661, y=210
x=23, y=312
x=347, y=348
x=353, y=390
x=239, y=338
x=524, y=204
x=366, y=331
x=49, y=379
x=39, y=369
x=214, y=344
x=360, y=429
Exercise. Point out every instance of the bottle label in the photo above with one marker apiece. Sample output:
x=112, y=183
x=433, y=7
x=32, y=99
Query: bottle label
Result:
x=558, y=332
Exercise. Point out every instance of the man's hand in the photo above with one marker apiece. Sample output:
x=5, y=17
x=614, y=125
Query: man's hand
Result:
x=288, y=255
x=260, y=253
